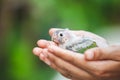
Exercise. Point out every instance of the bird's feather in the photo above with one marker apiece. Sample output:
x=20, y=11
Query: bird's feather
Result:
x=68, y=40
x=81, y=46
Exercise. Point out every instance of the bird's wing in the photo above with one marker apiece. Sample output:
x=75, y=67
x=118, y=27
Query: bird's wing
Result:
x=81, y=45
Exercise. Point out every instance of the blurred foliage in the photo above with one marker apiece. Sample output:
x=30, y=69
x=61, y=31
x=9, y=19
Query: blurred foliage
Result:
x=23, y=22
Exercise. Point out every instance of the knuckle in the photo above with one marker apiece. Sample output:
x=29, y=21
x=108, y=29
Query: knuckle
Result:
x=102, y=73
x=52, y=58
x=64, y=74
x=98, y=73
x=96, y=53
x=54, y=61
x=67, y=73
x=67, y=70
x=53, y=66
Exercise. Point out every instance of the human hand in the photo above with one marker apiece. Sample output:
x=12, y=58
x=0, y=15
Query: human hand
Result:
x=75, y=66
x=108, y=53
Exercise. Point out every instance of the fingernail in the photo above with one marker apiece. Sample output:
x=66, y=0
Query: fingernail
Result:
x=90, y=55
x=36, y=51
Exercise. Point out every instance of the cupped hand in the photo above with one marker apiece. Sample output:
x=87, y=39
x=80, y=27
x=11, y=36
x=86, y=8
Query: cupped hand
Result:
x=78, y=66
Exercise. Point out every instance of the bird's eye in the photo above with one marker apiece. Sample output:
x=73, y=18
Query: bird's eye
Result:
x=61, y=34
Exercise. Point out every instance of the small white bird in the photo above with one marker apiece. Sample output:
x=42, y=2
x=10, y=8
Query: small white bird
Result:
x=68, y=40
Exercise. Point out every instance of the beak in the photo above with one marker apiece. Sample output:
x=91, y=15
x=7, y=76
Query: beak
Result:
x=54, y=39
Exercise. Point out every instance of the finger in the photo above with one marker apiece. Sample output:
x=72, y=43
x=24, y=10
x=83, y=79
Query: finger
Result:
x=75, y=59
x=67, y=69
x=69, y=56
x=94, y=68
x=37, y=51
x=62, y=72
x=52, y=65
x=111, y=53
x=44, y=43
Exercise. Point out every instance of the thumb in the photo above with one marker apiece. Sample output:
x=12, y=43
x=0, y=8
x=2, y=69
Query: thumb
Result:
x=108, y=53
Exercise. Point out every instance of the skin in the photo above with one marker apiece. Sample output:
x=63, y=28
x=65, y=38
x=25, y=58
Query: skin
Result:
x=94, y=64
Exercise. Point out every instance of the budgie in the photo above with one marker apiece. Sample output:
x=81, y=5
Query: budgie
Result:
x=68, y=40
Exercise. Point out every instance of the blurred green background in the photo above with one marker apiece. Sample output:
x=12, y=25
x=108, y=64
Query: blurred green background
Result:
x=23, y=22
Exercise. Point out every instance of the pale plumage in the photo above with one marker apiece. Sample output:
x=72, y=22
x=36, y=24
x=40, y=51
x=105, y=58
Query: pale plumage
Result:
x=68, y=40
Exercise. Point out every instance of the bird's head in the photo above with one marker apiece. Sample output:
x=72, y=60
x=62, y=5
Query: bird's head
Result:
x=61, y=36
